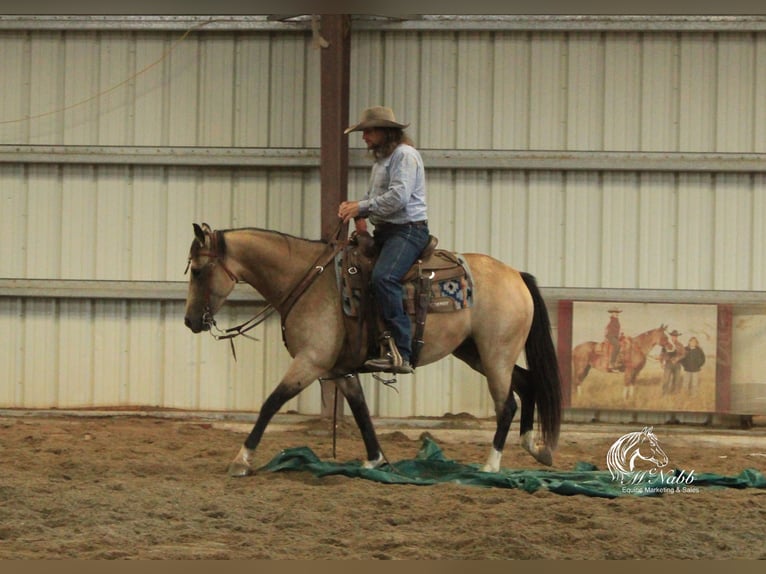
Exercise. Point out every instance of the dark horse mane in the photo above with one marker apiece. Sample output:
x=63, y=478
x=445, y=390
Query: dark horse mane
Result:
x=221, y=243
x=286, y=236
x=275, y=232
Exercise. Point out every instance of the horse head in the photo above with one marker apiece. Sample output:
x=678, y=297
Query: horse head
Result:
x=210, y=280
x=662, y=335
x=649, y=339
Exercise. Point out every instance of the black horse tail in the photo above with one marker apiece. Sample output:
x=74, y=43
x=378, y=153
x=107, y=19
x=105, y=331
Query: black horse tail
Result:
x=543, y=367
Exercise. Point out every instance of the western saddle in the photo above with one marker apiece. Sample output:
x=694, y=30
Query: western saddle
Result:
x=438, y=282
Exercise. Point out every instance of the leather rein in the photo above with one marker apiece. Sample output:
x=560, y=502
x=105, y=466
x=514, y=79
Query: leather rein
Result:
x=217, y=252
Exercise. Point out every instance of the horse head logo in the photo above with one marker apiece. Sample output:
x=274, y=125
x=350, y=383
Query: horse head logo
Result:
x=626, y=454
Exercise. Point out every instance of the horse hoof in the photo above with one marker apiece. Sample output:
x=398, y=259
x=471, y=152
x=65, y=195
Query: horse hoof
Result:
x=493, y=461
x=371, y=464
x=544, y=456
x=238, y=470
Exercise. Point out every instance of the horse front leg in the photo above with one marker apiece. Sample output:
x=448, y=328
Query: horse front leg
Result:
x=352, y=390
x=240, y=466
x=291, y=385
x=629, y=384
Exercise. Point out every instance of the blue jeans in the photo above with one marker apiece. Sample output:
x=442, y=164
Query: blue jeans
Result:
x=400, y=246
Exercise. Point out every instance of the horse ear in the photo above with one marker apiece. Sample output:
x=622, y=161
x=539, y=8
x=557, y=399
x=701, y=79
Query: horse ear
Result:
x=199, y=235
x=206, y=228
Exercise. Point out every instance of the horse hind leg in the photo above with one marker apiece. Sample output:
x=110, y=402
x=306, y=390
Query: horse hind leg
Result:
x=468, y=352
x=504, y=418
x=522, y=385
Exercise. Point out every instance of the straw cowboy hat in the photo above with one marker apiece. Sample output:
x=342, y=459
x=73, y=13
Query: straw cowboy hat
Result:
x=614, y=310
x=376, y=117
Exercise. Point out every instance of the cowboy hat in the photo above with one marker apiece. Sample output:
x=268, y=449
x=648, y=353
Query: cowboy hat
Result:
x=376, y=117
x=675, y=333
x=614, y=310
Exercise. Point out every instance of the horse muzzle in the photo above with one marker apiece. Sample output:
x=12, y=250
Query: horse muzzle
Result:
x=198, y=325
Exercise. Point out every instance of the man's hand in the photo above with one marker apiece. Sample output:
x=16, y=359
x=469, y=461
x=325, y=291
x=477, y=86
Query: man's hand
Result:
x=348, y=210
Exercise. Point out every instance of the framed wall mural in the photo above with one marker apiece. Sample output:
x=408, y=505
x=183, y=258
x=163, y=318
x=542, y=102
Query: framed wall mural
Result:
x=748, y=386
x=643, y=356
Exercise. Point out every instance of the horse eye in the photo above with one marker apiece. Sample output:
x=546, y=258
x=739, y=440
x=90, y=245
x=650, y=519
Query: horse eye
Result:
x=196, y=272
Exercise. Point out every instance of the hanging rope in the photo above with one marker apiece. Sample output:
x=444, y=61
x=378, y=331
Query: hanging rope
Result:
x=143, y=70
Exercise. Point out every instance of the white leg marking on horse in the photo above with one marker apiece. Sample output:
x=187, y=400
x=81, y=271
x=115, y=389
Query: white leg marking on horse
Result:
x=493, y=461
x=541, y=454
x=528, y=441
x=240, y=466
x=369, y=464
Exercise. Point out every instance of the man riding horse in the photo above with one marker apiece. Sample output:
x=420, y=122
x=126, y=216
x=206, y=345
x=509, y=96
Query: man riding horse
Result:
x=395, y=204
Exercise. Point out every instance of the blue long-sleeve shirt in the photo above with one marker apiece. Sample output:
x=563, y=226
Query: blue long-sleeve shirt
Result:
x=397, y=189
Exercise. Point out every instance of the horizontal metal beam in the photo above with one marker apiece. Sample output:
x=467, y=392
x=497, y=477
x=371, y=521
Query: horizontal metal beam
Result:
x=156, y=23
x=170, y=156
x=749, y=22
x=123, y=290
x=595, y=160
x=740, y=299
x=434, y=158
x=176, y=291
x=571, y=23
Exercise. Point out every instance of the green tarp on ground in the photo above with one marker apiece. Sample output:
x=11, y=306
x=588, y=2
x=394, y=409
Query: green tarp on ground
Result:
x=431, y=467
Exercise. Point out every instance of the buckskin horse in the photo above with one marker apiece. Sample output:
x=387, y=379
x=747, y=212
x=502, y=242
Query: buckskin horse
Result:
x=508, y=315
x=633, y=351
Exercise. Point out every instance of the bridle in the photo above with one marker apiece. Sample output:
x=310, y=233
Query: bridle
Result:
x=217, y=253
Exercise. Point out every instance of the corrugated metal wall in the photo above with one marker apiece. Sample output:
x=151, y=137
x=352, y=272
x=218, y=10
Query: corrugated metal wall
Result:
x=650, y=92
x=112, y=223
x=553, y=90
x=160, y=89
